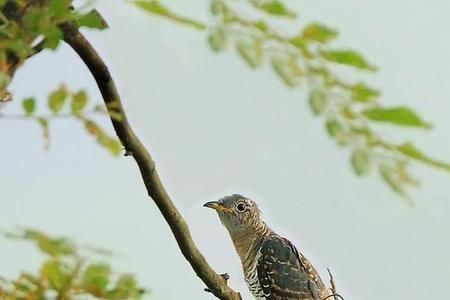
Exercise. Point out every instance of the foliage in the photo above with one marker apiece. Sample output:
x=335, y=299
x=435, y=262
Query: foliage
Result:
x=66, y=274
x=62, y=103
x=28, y=26
x=350, y=110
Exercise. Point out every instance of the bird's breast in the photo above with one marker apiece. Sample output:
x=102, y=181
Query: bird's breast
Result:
x=251, y=278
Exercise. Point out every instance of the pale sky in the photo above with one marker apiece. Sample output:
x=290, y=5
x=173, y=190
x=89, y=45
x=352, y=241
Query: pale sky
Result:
x=216, y=127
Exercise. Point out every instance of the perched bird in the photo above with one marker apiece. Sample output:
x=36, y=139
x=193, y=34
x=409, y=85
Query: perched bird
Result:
x=273, y=268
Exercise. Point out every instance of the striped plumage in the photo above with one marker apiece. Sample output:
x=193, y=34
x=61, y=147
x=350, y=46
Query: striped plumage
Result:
x=273, y=268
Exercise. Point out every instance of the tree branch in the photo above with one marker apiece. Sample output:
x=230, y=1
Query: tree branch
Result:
x=133, y=146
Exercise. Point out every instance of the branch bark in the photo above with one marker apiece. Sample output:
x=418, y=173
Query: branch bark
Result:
x=134, y=147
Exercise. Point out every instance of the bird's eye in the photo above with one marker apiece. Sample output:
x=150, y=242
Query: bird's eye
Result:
x=241, y=207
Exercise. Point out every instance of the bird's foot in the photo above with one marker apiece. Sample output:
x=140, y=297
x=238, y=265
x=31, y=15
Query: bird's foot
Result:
x=225, y=276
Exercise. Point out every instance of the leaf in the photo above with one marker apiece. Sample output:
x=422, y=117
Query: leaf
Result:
x=261, y=25
x=404, y=176
x=126, y=287
x=389, y=176
x=5, y=79
x=91, y=127
x=298, y=42
x=29, y=106
x=52, y=246
x=337, y=131
x=79, y=101
x=43, y=122
x=251, y=51
x=56, y=274
x=287, y=68
x=96, y=278
x=52, y=38
x=360, y=161
x=126, y=282
x=217, y=7
x=410, y=150
x=59, y=8
x=155, y=7
x=217, y=39
x=319, y=33
x=396, y=115
x=348, y=57
x=276, y=8
x=363, y=93
x=112, y=144
x=91, y=20
x=318, y=101
x=57, y=99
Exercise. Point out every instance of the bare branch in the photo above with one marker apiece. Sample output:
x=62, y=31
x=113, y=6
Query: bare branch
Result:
x=133, y=147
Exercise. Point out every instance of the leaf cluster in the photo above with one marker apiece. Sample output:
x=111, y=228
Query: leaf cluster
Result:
x=66, y=274
x=351, y=110
x=29, y=26
x=62, y=103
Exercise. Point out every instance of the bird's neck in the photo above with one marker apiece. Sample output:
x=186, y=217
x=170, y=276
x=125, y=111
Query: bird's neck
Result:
x=248, y=241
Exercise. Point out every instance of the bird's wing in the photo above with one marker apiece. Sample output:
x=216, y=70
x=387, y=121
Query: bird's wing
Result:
x=284, y=273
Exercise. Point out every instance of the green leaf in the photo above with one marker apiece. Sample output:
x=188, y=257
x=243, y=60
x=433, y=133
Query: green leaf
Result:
x=277, y=8
x=96, y=278
x=251, y=51
x=126, y=282
x=79, y=101
x=261, y=25
x=91, y=20
x=410, y=150
x=92, y=128
x=318, y=101
x=360, y=162
x=217, y=7
x=53, y=37
x=348, y=57
x=396, y=115
x=5, y=79
x=59, y=8
x=56, y=100
x=20, y=48
x=114, y=146
x=363, y=93
x=319, y=33
x=217, y=39
x=337, y=131
x=126, y=287
x=57, y=275
x=287, y=68
x=389, y=176
x=43, y=122
x=29, y=106
x=54, y=247
x=298, y=42
x=155, y=7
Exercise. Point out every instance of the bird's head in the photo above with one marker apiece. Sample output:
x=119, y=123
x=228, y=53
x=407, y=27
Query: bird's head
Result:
x=236, y=212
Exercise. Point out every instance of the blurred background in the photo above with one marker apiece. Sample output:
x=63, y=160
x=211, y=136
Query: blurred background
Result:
x=216, y=127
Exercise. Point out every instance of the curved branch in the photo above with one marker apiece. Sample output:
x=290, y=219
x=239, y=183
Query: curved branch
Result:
x=133, y=146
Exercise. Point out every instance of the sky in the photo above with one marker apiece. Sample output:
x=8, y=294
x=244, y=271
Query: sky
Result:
x=216, y=127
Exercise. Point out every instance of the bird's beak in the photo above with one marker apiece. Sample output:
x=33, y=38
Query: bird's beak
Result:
x=216, y=206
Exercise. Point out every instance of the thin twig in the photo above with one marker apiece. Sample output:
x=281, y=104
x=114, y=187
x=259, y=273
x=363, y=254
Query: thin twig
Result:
x=48, y=116
x=335, y=294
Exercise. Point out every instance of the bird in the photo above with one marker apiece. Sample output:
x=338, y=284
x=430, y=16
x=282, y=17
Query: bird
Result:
x=272, y=266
